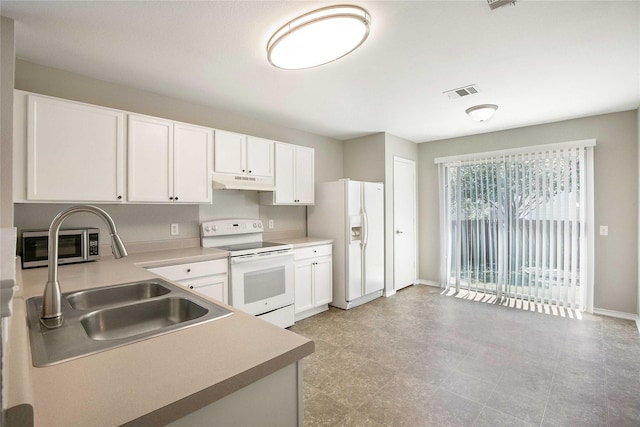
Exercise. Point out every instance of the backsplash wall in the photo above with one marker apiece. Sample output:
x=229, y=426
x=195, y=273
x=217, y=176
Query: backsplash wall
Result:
x=139, y=223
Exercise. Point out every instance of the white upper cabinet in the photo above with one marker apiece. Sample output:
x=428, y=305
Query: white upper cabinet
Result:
x=168, y=162
x=294, y=176
x=260, y=156
x=230, y=152
x=192, y=160
x=304, y=175
x=239, y=154
x=75, y=152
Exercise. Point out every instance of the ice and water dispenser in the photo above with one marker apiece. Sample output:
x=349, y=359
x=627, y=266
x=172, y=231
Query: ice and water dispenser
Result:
x=355, y=223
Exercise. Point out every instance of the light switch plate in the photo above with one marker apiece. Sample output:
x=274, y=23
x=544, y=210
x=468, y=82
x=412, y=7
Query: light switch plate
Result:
x=604, y=230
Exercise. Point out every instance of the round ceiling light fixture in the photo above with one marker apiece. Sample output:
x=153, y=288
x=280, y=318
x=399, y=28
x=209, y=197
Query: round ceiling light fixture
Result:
x=481, y=113
x=318, y=37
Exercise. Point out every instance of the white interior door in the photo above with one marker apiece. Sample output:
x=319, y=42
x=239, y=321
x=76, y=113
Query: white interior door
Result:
x=404, y=222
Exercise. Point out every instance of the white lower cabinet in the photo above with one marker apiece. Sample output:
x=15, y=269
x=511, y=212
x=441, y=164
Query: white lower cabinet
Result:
x=208, y=278
x=313, y=280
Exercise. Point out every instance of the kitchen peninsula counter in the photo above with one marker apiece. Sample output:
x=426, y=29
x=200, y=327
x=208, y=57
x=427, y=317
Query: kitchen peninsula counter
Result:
x=151, y=382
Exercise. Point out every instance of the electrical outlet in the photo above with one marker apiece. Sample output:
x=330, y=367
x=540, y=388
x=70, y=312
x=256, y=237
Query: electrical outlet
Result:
x=175, y=230
x=270, y=224
x=604, y=230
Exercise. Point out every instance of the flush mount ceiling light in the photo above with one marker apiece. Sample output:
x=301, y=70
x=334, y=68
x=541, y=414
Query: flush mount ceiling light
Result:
x=318, y=37
x=483, y=112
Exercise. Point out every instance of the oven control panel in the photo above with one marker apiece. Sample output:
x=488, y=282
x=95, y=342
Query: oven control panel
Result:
x=222, y=227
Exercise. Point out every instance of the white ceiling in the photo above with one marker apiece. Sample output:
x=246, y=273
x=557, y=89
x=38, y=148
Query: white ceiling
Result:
x=540, y=61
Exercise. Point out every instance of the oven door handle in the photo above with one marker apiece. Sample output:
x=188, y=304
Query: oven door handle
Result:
x=259, y=257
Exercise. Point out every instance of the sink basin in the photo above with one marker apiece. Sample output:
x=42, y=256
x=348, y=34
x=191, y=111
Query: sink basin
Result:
x=130, y=292
x=101, y=319
x=135, y=319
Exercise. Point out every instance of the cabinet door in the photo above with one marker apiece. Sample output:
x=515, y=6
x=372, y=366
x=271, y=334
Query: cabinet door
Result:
x=304, y=175
x=230, y=152
x=150, y=159
x=75, y=152
x=322, y=281
x=303, y=286
x=285, y=167
x=215, y=287
x=192, y=156
x=260, y=156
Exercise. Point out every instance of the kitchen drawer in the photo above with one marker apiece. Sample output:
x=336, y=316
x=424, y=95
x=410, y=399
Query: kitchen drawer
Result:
x=312, y=252
x=192, y=269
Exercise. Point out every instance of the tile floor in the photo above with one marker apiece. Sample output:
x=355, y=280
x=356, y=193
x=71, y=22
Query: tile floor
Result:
x=421, y=358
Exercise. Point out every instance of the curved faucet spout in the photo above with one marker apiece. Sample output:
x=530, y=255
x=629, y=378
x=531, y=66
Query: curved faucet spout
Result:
x=51, y=298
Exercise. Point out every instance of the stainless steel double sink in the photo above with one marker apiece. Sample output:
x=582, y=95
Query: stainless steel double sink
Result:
x=103, y=318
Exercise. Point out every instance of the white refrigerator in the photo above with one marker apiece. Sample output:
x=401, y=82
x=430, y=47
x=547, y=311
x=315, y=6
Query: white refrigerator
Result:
x=352, y=214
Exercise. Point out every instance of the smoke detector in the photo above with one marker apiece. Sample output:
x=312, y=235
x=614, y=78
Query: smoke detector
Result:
x=462, y=91
x=494, y=4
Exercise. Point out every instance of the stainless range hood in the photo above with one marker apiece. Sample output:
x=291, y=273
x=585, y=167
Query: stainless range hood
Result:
x=224, y=181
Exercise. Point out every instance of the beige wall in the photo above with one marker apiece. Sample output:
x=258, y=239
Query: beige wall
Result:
x=141, y=223
x=364, y=158
x=616, y=196
x=7, y=62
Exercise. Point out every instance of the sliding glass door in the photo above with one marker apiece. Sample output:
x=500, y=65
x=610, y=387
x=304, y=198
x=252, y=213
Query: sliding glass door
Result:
x=515, y=224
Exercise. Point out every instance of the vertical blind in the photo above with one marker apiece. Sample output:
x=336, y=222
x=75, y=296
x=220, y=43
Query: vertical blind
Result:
x=514, y=224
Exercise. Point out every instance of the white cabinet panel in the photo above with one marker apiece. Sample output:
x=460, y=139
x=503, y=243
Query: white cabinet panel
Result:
x=285, y=170
x=239, y=154
x=303, y=286
x=260, y=156
x=313, y=280
x=304, y=175
x=230, y=152
x=322, y=280
x=215, y=287
x=150, y=159
x=192, y=158
x=168, y=162
x=294, y=176
x=75, y=151
x=209, y=278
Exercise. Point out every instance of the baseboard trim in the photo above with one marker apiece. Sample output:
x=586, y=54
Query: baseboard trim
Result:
x=428, y=283
x=619, y=315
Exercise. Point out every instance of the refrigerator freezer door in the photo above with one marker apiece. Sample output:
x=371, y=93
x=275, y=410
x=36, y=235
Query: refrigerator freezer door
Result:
x=373, y=251
x=354, y=250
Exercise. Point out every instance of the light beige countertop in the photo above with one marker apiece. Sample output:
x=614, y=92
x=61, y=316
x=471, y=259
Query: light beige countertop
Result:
x=300, y=242
x=150, y=382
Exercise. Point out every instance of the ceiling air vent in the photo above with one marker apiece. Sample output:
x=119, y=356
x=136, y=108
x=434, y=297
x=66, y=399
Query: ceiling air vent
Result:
x=462, y=91
x=494, y=4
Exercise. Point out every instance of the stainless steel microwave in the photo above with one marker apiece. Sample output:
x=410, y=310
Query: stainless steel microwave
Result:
x=74, y=245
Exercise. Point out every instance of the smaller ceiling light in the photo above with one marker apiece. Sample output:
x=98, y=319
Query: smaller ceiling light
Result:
x=318, y=37
x=483, y=112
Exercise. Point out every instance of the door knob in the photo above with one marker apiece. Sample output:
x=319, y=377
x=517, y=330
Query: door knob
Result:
x=398, y=232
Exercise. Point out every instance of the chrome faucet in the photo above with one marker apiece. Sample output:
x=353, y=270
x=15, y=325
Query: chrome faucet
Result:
x=51, y=311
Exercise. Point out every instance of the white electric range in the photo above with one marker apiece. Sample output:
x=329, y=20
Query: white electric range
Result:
x=260, y=273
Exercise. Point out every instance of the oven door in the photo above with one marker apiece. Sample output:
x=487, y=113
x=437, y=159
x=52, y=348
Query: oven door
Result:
x=261, y=283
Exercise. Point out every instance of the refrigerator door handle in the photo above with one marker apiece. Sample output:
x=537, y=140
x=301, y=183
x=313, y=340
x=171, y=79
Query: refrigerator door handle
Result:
x=365, y=226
